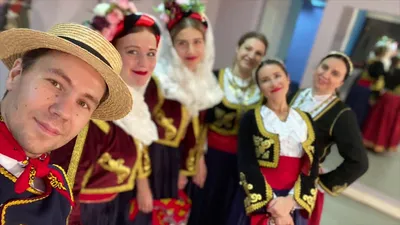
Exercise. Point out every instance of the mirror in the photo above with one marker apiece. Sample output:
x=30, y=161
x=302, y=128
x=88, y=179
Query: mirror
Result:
x=373, y=92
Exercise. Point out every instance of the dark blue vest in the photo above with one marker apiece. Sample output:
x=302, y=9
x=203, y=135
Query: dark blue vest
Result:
x=32, y=207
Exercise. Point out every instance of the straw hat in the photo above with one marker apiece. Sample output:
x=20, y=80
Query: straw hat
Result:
x=84, y=43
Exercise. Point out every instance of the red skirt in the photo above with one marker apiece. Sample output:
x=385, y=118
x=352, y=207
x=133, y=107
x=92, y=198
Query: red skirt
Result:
x=281, y=178
x=382, y=129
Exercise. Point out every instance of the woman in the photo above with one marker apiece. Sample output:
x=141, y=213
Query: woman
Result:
x=107, y=158
x=364, y=93
x=336, y=124
x=381, y=132
x=277, y=154
x=241, y=94
x=181, y=89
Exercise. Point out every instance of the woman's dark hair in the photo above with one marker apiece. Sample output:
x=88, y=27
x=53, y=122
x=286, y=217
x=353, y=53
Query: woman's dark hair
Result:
x=136, y=29
x=269, y=62
x=187, y=22
x=256, y=35
x=135, y=23
x=345, y=60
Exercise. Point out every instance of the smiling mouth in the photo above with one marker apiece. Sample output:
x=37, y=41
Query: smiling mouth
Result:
x=276, y=90
x=141, y=73
x=47, y=129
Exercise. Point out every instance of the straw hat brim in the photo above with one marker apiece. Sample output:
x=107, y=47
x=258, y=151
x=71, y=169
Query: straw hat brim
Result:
x=15, y=42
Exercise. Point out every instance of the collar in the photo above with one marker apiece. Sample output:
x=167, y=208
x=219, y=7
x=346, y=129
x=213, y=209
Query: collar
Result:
x=33, y=167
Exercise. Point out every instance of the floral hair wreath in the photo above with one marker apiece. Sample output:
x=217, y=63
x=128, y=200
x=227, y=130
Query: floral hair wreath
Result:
x=173, y=11
x=114, y=19
x=385, y=41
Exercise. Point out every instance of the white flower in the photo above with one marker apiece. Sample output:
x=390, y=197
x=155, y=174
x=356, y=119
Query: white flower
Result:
x=183, y=2
x=101, y=9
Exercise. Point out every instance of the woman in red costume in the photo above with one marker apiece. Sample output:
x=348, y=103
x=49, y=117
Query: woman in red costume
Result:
x=182, y=88
x=108, y=158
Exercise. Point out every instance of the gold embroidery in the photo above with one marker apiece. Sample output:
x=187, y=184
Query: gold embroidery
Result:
x=146, y=161
x=239, y=109
x=127, y=186
x=76, y=155
x=339, y=188
x=18, y=202
x=253, y=201
x=55, y=183
x=262, y=147
x=273, y=140
x=32, y=175
x=307, y=202
x=223, y=119
x=310, y=199
x=14, y=179
x=115, y=166
x=185, y=119
x=308, y=143
x=167, y=124
x=335, y=120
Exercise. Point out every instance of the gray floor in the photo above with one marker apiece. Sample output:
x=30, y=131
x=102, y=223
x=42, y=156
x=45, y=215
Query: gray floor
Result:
x=383, y=176
x=344, y=211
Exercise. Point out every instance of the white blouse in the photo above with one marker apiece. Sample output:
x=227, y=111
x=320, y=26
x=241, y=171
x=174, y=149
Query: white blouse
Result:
x=292, y=132
x=236, y=96
x=15, y=168
x=308, y=102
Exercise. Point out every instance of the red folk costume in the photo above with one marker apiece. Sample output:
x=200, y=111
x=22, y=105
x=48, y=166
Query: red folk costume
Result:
x=106, y=157
x=381, y=132
x=178, y=98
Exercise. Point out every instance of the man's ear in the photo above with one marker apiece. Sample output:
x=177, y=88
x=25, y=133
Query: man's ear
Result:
x=14, y=75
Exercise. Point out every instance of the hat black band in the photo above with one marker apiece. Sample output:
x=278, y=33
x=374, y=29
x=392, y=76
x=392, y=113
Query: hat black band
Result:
x=87, y=48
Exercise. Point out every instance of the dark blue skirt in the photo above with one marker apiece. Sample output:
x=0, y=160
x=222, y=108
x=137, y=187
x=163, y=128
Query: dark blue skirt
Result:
x=165, y=165
x=212, y=204
x=238, y=214
x=358, y=101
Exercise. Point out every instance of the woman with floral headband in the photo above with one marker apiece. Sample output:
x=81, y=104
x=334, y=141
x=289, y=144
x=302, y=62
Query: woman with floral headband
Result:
x=336, y=124
x=182, y=88
x=107, y=158
x=241, y=95
x=277, y=155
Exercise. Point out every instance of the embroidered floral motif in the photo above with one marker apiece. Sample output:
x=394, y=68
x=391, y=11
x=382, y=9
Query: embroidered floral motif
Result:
x=55, y=183
x=262, y=147
x=224, y=119
x=251, y=198
x=114, y=165
x=167, y=124
x=310, y=199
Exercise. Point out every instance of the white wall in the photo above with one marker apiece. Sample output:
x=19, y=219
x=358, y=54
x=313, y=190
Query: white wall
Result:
x=329, y=26
x=234, y=18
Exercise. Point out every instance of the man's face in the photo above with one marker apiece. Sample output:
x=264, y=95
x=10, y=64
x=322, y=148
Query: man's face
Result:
x=50, y=102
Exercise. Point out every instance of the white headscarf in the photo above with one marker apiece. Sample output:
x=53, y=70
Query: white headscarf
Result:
x=195, y=90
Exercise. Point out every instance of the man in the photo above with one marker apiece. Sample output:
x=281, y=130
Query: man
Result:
x=57, y=81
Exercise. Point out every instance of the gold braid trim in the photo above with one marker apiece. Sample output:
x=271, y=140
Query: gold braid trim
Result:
x=273, y=138
x=76, y=155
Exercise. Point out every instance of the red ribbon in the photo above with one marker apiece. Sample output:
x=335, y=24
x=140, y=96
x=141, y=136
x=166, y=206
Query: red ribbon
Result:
x=34, y=167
